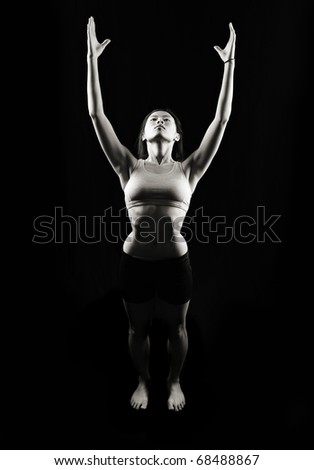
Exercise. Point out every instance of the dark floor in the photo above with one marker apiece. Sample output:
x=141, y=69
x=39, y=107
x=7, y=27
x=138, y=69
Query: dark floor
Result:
x=74, y=391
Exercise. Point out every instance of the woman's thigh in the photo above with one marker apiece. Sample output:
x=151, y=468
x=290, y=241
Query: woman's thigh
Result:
x=140, y=314
x=174, y=281
x=135, y=280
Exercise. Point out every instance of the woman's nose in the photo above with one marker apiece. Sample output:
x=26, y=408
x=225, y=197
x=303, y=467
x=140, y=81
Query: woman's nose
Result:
x=160, y=120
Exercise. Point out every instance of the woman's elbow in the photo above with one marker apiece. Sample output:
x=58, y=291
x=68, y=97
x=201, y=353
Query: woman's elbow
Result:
x=94, y=110
x=223, y=121
x=94, y=114
x=223, y=117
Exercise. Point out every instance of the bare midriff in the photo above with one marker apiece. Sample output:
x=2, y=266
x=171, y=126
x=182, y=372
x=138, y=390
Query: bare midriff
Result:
x=155, y=232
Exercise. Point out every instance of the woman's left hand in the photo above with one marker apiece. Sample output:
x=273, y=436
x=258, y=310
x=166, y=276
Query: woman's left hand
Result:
x=229, y=51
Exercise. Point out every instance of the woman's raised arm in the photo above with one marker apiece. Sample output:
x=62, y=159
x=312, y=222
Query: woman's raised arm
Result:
x=198, y=162
x=120, y=158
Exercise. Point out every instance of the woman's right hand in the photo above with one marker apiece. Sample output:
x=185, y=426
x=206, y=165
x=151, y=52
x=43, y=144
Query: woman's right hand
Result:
x=94, y=48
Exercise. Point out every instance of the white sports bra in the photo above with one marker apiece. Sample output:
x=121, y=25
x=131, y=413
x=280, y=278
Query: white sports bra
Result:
x=163, y=185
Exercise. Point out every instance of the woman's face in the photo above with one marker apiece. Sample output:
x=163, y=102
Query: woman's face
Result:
x=160, y=125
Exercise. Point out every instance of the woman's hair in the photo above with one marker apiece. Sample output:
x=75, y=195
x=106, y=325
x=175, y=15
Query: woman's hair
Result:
x=177, y=152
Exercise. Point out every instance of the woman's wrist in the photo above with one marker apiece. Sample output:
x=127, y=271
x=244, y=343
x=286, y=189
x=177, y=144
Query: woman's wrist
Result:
x=229, y=60
x=91, y=57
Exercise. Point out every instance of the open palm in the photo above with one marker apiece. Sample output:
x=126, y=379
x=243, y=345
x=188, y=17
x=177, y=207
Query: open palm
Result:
x=94, y=48
x=229, y=51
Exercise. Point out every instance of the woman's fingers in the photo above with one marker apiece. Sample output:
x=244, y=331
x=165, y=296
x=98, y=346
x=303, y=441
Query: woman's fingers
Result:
x=92, y=26
x=232, y=31
x=232, y=28
x=232, y=37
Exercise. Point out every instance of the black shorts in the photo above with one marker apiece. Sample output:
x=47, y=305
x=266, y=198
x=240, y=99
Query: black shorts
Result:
x=171, y=279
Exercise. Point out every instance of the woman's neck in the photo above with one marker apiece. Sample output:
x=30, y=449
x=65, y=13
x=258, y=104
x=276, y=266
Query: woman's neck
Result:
x=159, y=152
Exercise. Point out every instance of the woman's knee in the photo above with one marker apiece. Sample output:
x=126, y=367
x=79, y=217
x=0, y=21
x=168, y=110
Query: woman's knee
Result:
x=177, y=330
x=140, y=317
x=138, y=330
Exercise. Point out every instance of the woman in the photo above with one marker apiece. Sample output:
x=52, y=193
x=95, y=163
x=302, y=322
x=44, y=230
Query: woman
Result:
x=155, y=274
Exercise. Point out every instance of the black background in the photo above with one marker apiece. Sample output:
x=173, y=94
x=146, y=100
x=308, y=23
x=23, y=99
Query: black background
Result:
x=247, y=374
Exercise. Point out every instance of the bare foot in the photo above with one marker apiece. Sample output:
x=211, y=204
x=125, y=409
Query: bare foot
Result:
x=176, y=400
x=139, y=399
